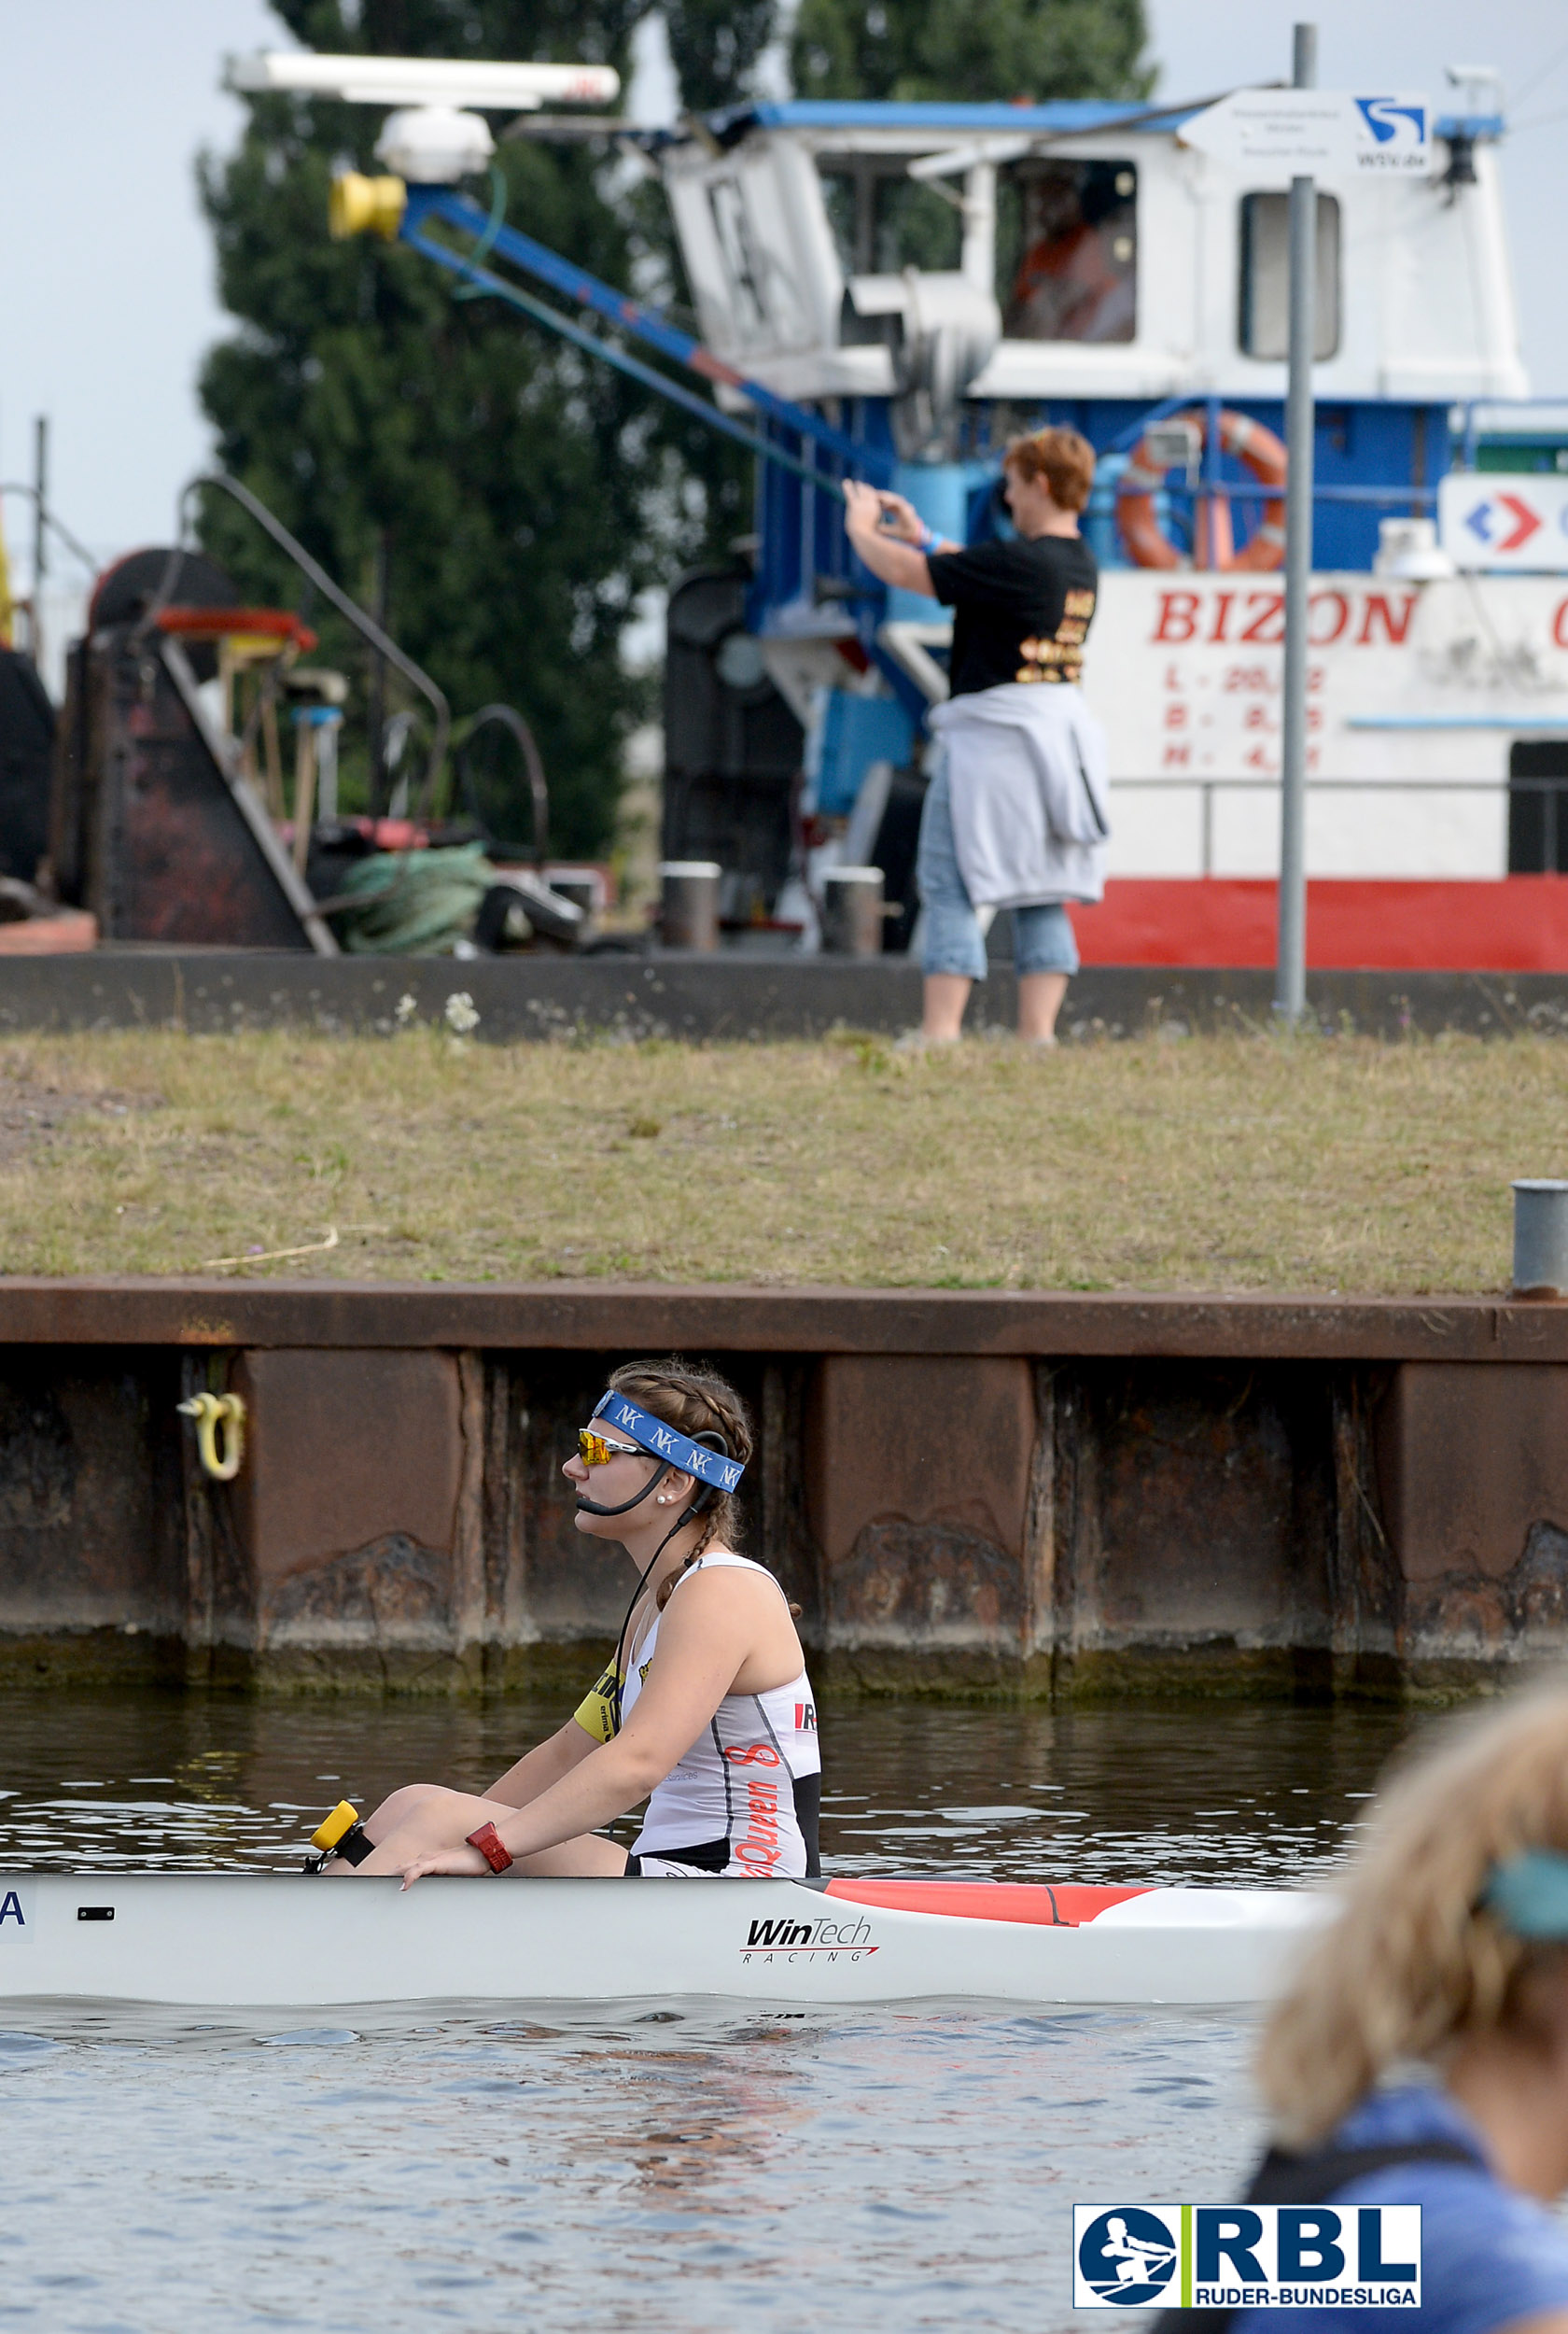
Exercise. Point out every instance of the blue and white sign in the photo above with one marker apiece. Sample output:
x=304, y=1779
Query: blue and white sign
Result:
x=1318, y=133
x=1504, y=520
x=1246, y=2257
x=1393, y=135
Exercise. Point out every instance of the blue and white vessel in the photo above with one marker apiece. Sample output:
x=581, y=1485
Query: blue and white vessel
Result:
x=893, y=291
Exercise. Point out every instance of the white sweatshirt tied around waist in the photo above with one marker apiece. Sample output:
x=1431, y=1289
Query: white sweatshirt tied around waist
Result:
x=1028, y=778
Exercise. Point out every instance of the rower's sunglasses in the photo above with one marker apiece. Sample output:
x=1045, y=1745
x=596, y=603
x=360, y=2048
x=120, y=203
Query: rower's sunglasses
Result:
x=597, y=1449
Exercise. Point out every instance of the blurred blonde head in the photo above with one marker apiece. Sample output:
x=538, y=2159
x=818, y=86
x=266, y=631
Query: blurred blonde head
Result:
x=1415, y=1963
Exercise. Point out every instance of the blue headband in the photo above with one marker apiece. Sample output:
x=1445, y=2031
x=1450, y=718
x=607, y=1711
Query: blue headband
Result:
x=667, y=1442
x=1530, y=1895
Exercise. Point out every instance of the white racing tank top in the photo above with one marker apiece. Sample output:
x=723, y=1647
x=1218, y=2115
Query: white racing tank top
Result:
x=748, y=1788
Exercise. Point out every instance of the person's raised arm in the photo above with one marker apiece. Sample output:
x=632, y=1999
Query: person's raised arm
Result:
x=889, y=536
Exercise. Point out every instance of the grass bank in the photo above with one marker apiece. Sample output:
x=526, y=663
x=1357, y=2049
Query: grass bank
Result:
x=1209, y=1163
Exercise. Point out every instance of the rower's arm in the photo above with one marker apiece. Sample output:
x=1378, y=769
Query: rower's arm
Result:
x=706, y=1635
x=544, y=1765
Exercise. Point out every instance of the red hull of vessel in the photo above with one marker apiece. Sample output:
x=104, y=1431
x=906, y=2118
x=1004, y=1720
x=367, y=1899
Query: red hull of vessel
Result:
x=1518, y=925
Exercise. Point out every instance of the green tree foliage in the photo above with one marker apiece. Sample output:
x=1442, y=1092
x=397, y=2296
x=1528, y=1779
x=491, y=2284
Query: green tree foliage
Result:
x=715, y=46
x=970, y=50
x=526, y=493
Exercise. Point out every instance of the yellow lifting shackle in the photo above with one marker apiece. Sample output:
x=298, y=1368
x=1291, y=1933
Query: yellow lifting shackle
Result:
x=212, y=1411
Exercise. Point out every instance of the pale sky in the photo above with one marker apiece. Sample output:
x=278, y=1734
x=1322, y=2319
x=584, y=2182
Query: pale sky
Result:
x=106, y=300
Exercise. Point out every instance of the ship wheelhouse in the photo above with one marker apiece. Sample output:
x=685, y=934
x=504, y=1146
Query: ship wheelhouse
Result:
x=1055, y=261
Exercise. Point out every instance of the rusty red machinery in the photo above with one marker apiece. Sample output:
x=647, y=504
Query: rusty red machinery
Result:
x=153, y=826
x=169, y=817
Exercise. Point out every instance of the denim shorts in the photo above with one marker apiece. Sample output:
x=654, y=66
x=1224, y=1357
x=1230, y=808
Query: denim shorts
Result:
x=951, y=938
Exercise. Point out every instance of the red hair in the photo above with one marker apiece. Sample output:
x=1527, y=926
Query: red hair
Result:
x=1063, y=458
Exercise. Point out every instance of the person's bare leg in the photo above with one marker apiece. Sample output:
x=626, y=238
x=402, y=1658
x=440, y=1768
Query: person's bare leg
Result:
x=588, y=1856
x=946, y=995
x=430, y=1818
x=1040, y=1000
x=397, y=1808
x=415, y=1820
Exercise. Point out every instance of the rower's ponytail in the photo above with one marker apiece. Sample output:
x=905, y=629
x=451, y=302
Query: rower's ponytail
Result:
x=1414, y=1962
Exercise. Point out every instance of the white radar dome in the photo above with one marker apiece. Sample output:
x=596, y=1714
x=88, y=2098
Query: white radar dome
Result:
x=435, y=145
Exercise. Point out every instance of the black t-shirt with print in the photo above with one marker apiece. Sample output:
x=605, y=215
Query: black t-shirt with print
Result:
x=1020, y=609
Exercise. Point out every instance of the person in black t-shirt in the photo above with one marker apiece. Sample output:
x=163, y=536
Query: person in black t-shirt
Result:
x=1020, y=609
x=1021, y=613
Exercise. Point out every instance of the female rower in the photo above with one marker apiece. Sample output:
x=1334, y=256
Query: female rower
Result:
x=705, y=1705
x=1451, y=1950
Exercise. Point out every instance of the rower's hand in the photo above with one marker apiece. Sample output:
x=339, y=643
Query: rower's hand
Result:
x=466, y=1862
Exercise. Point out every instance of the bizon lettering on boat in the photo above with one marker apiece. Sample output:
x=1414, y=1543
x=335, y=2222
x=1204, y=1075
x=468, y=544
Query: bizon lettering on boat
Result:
x=831, y=1940
x=1246, y=2257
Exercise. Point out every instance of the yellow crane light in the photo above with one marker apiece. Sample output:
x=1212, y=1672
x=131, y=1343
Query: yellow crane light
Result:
x=358, y=205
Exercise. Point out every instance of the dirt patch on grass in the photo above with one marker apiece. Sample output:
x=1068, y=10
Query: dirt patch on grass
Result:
x=33, y=1106
x=1262, y=1163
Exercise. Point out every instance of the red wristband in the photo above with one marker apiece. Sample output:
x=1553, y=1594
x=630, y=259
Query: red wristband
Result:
x=491, y=1847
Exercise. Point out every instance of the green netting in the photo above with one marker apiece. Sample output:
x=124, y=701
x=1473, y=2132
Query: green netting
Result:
x=412, y=903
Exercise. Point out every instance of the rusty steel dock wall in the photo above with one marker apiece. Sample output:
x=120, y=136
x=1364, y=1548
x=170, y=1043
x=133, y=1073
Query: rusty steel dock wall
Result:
x=967, y=1492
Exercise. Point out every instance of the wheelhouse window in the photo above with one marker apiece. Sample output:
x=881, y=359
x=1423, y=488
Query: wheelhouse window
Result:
x=883, y=221
x=1264, y=328
x=1067, y=249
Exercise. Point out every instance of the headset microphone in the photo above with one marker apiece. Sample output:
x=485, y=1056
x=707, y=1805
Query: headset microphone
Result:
x=594, y=1507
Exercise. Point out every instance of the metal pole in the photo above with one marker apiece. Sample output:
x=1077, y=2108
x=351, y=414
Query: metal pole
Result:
x=1290, y=979
x=41, y=536
x=376, y=692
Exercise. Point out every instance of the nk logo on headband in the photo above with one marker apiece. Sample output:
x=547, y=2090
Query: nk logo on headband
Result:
x=1246, y=2257
x=664, y=1442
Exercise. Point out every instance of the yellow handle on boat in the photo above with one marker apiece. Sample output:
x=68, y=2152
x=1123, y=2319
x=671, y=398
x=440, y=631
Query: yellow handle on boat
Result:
x=343, y=1818
x=212, y=1411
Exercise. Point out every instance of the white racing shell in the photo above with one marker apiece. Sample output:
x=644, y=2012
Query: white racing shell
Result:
x=276, y=1939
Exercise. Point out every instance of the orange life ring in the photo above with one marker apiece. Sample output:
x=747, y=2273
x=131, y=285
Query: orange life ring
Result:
x=1214, y=546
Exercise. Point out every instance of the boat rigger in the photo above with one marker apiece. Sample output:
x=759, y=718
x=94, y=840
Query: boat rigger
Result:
x=274, y=1941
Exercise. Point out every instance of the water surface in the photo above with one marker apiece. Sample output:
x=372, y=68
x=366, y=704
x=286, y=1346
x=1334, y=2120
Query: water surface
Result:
x=689, y=2167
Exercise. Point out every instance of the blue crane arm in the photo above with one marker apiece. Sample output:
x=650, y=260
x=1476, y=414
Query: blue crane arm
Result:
x=430, y=203
x=484, y=280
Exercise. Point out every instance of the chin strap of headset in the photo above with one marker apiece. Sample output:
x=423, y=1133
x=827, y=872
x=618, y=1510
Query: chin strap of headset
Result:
x=594, y=1507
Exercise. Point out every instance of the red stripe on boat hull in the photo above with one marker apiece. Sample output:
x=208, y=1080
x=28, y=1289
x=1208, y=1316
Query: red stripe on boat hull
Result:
x=1063, y=1904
